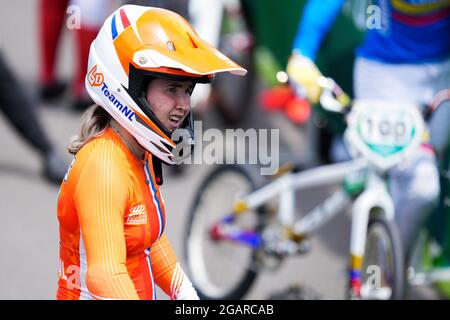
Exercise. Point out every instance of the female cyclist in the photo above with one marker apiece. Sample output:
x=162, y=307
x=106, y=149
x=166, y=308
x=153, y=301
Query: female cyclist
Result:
x=143, y=66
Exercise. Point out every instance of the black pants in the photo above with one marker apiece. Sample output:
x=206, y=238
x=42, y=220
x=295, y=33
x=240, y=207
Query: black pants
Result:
x=19, y=110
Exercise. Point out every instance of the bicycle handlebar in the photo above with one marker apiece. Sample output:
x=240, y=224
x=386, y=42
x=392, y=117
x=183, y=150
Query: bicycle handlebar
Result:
x=334, y=99
x=438, y=100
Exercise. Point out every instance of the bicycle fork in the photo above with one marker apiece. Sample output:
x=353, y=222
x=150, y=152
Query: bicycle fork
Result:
x=375, y=196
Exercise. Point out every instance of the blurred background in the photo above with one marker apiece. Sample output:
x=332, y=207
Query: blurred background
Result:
x=259, y=35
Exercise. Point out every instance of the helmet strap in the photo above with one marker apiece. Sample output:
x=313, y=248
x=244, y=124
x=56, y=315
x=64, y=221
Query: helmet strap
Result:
x=157, y=170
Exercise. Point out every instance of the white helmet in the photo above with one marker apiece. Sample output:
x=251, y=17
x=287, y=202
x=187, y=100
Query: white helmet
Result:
x=136, y=44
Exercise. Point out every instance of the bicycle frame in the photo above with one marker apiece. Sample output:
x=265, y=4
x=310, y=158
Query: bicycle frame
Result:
x=374, y=195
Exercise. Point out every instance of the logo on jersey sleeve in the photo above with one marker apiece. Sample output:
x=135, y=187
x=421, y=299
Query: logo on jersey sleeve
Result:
x=137, y=215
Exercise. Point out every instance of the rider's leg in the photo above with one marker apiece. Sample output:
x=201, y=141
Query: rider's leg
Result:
x=414, y=186
x=440, y=130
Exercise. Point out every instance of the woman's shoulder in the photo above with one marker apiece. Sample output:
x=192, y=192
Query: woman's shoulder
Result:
x=104, y=149
x=100, y=164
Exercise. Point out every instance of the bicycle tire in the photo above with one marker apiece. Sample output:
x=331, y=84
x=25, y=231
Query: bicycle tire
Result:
x=196, y=258
x=387, y=261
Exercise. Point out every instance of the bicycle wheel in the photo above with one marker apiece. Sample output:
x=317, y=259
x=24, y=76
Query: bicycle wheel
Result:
x=222, y=266
x=382, y=273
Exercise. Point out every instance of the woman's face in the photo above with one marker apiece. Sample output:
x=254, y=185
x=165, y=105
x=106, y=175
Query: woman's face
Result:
x=170, y=101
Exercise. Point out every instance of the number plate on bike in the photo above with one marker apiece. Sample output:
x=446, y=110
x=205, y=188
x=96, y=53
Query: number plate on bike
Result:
x=383, y=131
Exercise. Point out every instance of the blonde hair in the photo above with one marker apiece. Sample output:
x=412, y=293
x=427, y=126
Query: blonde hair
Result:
x=94, y=122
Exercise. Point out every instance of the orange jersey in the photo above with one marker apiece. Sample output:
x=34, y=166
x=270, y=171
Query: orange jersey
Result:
x=112, y=218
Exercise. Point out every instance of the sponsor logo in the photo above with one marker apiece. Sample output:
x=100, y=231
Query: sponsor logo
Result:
x=95, y=78
x=137, y=215
x=125, y=110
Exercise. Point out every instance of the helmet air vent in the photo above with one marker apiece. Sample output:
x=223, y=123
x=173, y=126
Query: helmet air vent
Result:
x=170, y=46
x=194, y=45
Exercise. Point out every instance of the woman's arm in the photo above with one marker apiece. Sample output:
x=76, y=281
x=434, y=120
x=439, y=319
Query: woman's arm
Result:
x=318, y=17
x=100, y=199
x=168, y=274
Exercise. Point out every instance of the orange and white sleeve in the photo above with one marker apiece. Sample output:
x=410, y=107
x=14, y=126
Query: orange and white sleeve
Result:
x=167, y=272
x=100, y=199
